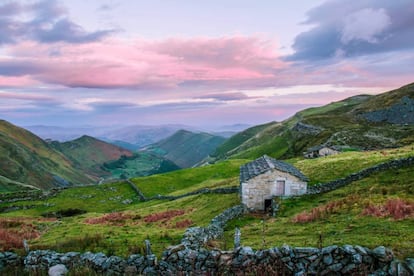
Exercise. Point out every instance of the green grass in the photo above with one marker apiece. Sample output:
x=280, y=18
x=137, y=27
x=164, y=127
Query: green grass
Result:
x=238, y=139
x=125, y=236
x=346, y=225
x=98, y=198
x=329, y=168
x=141, y=164
x=275, y=148
x=186, y=180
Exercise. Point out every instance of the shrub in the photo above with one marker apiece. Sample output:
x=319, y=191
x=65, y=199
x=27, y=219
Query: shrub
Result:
x=165, y=216
x=323, y=211
x=13, y=231
x=184, y=223
x=396, y=208
x=70, y=212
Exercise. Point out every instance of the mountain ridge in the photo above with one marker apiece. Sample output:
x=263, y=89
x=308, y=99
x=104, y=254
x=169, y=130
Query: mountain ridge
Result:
x=29, y=160
x=343, y=123
x=186, y=148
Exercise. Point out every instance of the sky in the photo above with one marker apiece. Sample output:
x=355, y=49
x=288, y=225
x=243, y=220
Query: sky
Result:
x=201, y=63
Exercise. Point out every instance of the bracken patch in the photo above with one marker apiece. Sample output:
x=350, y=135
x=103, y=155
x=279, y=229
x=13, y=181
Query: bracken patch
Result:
x=14, y=230
x=396, y=208
x=163, y=216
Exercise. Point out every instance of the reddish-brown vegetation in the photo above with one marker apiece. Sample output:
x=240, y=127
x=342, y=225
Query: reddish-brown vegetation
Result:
x=163, y=216
x=396, y=208
x=184, y=223
x=117, y=218
x=323, y=211
x=14, y=230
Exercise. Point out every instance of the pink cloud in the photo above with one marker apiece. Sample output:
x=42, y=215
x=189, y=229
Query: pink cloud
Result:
x=182, y=64
x=162, y=64
x=15, y=82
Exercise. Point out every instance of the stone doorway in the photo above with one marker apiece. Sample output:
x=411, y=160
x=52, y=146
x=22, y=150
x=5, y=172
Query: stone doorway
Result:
x=268, y=205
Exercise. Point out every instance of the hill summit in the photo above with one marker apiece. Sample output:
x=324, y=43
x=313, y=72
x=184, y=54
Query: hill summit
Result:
x=362, y=122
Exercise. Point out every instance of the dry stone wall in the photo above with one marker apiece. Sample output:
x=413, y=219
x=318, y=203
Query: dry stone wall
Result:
x=393, y=164
x=181, y=260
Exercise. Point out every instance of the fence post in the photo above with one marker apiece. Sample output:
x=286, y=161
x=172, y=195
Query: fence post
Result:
x=237, y=236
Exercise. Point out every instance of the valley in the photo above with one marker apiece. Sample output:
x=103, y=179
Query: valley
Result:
x=90, y=195
x=117, y=222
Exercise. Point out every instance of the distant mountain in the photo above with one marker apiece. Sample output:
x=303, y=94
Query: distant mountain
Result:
x=129, y=137
x=232, y=128
x=186, y=148
x=63, y=134
x=88, y=153
x=26, y=160
x=364, y=122
x=141, y=136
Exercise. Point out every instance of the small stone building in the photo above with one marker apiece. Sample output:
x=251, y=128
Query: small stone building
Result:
x=320, y=151
x=265, y=178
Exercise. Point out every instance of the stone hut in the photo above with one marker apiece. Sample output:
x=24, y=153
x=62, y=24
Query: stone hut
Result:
x=320, y=151
x=265, y=178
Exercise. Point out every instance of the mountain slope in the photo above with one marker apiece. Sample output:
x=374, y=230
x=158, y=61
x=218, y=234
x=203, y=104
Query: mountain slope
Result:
x=27, y=159
x=238, y=139
x=185, y=148
x=365, y=122
x=88, y=153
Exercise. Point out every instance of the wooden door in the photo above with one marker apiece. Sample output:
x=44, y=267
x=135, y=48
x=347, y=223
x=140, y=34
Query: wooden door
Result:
x=280, y=187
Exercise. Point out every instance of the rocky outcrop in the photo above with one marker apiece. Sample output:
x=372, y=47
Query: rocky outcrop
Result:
x=307, y=129
x=400, y=113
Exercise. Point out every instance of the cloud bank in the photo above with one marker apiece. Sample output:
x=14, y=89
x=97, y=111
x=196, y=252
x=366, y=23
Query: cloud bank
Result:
x=52, y=67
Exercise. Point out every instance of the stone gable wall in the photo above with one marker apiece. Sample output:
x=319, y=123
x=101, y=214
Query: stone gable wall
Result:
x=256, y=190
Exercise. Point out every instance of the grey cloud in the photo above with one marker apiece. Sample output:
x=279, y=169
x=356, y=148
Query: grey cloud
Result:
x=332, y=34
x=65, y=30
x=111, y=106
x=49, y=23
x=18, y=68
x=10, y=9
x=27, y=97
x=236, y=96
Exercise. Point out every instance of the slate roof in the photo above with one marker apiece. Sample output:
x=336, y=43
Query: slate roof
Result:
x=264, y=164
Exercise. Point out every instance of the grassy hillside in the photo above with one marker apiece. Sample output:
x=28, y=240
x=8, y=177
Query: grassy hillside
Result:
x=88, y=153
x=186, y=148
x=27, y=159
x=357, y=122
x=113, y=220
x=236, y=140
x=341, y=217
x=187, y=180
